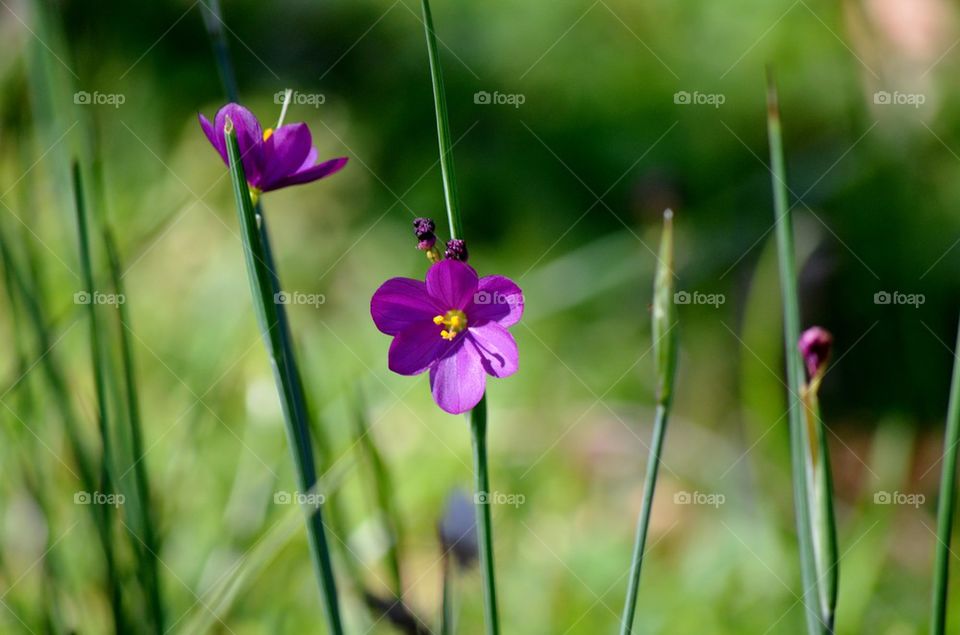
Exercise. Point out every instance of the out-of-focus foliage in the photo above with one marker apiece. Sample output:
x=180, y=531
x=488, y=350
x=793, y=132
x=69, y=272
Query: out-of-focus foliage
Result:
x=562, y=192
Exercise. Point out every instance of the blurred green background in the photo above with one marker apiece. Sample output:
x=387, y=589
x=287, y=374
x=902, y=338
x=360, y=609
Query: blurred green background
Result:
x=627, y=108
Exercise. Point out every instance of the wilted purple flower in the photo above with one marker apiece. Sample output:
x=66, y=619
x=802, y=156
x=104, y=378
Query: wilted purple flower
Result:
x=457, y=250
x=271, y=158
x=454, y=325
x=815, y=344
x=424, y=228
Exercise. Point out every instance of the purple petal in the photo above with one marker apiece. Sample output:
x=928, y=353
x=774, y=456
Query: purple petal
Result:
x=452, y=284
x=249, y=138
x=216, y=140
x=457, y=381
x=401, y=302
x=284, y=152
x=309, y=161
x=496, y=347
x=498, y=299
x=417, y=346
x=313, y=173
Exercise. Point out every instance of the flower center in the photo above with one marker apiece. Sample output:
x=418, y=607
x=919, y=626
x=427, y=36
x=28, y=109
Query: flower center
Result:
x=267, y=133
x=454, y=320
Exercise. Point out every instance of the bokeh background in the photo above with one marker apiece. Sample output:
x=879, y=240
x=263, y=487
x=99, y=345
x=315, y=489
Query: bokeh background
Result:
x=600, y=115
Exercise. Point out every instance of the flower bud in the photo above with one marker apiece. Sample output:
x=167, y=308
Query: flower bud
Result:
x=457, y=250
x=815, y=344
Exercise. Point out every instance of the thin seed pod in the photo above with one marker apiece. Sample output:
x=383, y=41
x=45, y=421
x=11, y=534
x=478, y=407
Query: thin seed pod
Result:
x=665, y=353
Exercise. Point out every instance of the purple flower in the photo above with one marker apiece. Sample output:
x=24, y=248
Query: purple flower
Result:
x=815, y=344
x=454, y=325
x=271, y=158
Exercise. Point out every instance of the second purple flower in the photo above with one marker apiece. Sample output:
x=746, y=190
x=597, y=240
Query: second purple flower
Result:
x=272, y=159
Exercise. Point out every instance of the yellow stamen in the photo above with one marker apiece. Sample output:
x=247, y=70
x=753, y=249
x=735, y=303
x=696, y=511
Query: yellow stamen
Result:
x=267, y=133
x=455, y=321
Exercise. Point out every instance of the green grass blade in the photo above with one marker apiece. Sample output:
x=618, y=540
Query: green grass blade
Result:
x=665, y=353
x=294, y=410
x=791, y=335
x=946, y=502
x=150, y=548
x=100, y=383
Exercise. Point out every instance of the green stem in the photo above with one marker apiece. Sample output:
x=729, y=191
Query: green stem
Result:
x=443, y=128
x=799, y=441
x=948, y=487
x=478, y=426
x=213, y=21
x=643, y=521
x=263, y=281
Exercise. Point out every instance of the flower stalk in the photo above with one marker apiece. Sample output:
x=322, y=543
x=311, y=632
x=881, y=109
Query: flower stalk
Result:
x=665, y=355
x=276, y=336
x=478, y=416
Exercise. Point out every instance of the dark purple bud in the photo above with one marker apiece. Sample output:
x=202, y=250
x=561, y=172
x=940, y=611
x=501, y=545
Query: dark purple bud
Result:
x=423, y=227
x=458, y=528
x=815, y=344
x=457, y=250
x=426, y=243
